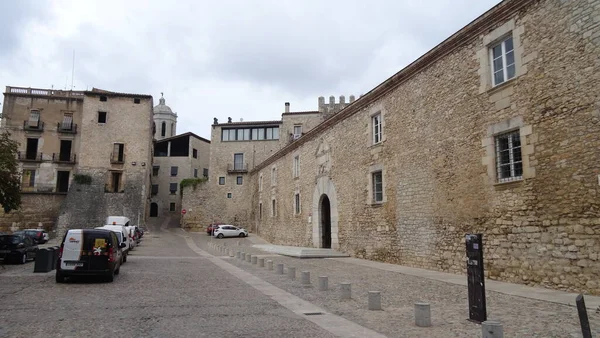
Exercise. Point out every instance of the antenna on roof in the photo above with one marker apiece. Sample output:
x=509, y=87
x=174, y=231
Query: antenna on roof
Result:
x=73, y=70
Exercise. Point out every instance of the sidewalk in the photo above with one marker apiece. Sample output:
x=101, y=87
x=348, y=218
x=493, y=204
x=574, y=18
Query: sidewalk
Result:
x=524, y=311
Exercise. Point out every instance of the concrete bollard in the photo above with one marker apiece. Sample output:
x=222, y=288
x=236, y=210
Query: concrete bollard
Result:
x=323, y=283
x=231, y=253
x=492, y=329
x=261, y=262
x=291, y=272
x=238, y=243
x=346, y=290
x=238, y=254
x=269, y=264
x=248, y=258
x=422, y=314
x=305, y=277
x=243, y=256
x=254, y=260
x=279, y=269
x=374, y=300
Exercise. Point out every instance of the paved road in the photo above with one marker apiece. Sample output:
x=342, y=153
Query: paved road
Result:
x=165, y=289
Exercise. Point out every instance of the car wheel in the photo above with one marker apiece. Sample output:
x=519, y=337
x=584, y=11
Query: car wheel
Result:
x=59, y=277
x=242, y=235
x=118, y=270
x=23, y=258
x=220, y=236
x=110, y=277
x=124, y=258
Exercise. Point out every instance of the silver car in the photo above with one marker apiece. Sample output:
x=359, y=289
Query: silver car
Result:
x=230, y=231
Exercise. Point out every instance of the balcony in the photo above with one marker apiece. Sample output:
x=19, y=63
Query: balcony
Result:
x=237, y=168
x=40, y=189
x=30, y=157
x=66, y=128
x=64, y=158
x=29, y=126
x=116, y=159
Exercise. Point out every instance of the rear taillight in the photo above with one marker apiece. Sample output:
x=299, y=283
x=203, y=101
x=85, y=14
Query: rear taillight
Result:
x=111, y=255
x=60, y=252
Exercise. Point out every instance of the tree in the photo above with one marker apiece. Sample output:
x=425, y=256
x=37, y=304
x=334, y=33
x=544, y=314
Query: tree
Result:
x=10, y=195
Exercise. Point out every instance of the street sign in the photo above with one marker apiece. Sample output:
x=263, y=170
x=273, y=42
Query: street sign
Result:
x=183, y=211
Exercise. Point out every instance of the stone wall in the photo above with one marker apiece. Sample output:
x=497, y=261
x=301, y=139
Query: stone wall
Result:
x=438, y=161
x=36, y=211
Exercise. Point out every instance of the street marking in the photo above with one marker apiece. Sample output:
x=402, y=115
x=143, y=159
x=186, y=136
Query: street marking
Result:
x=336, y=325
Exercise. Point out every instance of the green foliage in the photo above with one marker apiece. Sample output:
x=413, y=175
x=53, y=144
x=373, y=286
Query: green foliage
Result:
x=83, y=179
x=10, y=180
x=193, y=182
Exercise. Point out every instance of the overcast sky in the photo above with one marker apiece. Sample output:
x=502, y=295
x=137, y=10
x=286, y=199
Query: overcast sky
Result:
x=242, y=59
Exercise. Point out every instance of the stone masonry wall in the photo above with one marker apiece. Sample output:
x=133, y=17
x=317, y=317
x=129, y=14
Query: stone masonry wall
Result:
x=36, y=211
x=439, y=175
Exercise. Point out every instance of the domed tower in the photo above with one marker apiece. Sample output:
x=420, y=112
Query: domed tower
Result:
x=165, y=121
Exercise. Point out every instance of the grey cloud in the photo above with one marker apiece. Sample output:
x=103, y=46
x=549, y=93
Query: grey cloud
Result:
x=14, y=16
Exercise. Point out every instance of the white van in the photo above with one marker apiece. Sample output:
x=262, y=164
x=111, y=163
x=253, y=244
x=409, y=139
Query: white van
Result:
x=121, y=232
x=123, y=221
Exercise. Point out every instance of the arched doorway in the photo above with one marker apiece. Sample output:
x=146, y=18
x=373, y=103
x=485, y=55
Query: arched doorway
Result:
x=325, y=209
x=153, y=209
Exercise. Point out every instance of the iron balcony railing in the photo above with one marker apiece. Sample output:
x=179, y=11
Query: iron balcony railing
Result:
x=68, y=128
x=31, y=157
x=237, y=168
x=28, y=125
x=64, y=158
x=114, y=158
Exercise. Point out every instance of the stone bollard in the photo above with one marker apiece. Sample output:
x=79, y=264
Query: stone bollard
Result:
x=323, y=283
x=492, y=329
x=269, y=264
x=305, y=277
x=254, y=260
x=231, y=253
x=248, y=258
x=291, y=272
x=374, y=300
x=422, y=314
x=238, y=243
x=346, y=289
x=279, y=269
x=261, y=262
x=238, y=254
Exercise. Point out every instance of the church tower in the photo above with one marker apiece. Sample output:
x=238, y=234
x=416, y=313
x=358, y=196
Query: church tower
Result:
x=165, y=121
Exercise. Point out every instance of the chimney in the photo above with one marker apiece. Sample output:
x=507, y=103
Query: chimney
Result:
x=332, y=100
x=352, y=98
x=342, y=100
x=287, y=107
x=321, y=104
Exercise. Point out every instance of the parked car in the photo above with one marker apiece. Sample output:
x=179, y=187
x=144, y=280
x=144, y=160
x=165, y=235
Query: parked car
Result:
x=124, y=221
x=230, y=231
x=89, y=252
x=38, y=235
x=17, y=248
x=212, y=227
x=121, y=235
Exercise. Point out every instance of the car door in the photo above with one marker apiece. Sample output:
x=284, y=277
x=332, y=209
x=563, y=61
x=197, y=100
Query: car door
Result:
x=225, y=230
x=233, y=231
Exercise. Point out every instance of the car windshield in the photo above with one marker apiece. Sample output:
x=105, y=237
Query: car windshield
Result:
x=10, y=239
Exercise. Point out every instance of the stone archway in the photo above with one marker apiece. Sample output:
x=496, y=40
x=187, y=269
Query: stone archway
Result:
x=325, y=230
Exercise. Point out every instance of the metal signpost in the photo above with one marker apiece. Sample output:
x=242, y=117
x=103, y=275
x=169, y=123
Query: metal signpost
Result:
x=475, y=278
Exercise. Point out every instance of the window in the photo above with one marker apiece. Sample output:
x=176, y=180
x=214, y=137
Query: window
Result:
x=297, y=166
x=136, y=101
x=163, y=128
x=101, y=117
x=155, y=170
x=28, y=180
x=171, y=206
x=259, y=211
x=172, y=188
x=118, y=154
x=195, y=153
x=240, y=180
x=377, y=186
x=297, y=130
x=273, y=208
x=260, y=182
x=297, y=203
x=229, y=195
x=205, y=172
x=103, y=98
x=247, y=134
x=116, y=182
x=195, y=172
x=174, y=171
x=273, y=176
x=67, y=123
x=509, y=165
x=32, y=148
x=503, y=61
x=238, y=161
x=154, y=189
x=34, y=118
x=222, y=180
x=377, y=128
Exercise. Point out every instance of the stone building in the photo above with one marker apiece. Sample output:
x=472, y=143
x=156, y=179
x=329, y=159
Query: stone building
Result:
x=496, y=131
x=165, y=120
x=176, y=158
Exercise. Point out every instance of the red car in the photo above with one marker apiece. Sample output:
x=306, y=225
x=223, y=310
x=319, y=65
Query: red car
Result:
x=212, y=227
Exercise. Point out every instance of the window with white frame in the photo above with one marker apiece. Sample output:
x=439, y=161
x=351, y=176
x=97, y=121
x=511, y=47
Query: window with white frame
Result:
x=297, y=203
x=509, y=165
x=297, y=130
x=297, y=166
x=377, y=128
x=377, y=178
x=503, y=61
x=273, y=176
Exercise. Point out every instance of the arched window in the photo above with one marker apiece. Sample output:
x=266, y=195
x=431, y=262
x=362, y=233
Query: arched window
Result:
x=163, y=129
x=172, y=129
x=153, y=128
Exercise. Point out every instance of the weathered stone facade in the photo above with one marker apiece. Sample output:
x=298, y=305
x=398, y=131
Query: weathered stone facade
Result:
x=438, y=153
x=37, y=211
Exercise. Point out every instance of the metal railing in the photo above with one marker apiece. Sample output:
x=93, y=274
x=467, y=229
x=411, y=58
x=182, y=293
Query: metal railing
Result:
x=114, y=158
x=33, y=157
x=69, y=128
x=237, y=167
x=64, y=158
x=37, y=127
